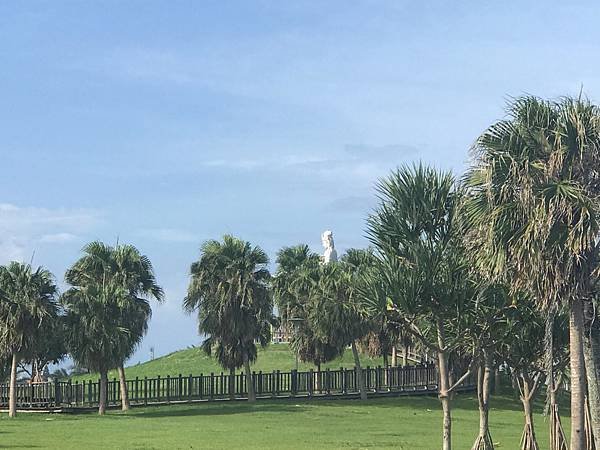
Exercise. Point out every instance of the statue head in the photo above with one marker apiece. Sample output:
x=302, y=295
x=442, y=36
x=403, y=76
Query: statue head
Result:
x=327, y=239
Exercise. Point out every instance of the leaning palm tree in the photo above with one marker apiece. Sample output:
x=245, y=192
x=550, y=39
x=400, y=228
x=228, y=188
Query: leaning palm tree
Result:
x=535, y=187
x=229, y=290
x=27, y=302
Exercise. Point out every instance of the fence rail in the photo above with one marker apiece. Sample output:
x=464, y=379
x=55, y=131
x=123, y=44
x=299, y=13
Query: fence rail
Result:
x=189, y=388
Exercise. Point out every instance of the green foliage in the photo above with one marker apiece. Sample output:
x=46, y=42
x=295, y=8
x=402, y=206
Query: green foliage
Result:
x=28, y=307
x=229, y=290
x=107, y=307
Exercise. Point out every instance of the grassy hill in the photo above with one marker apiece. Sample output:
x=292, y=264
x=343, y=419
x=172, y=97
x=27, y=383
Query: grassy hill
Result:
x=194, y=361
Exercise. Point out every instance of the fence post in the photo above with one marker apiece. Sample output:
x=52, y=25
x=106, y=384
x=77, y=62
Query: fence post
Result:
x=212, y=385
x=294, y=382
x=57, y=393
x=201, y=385
x=310, y=382
x=168, y=388
x=190, y=385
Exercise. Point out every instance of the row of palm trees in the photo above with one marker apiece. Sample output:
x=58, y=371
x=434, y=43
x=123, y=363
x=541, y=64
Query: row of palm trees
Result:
x=483, y=271
x=99, y=320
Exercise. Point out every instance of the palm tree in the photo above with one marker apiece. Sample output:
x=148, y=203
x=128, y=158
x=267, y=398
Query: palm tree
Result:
x=229, y=289
x=126, y=267
x=298, y=271
x=93, y=329
x=27, y=303
x=422, y=273
x=336, y=312
x=535, y=188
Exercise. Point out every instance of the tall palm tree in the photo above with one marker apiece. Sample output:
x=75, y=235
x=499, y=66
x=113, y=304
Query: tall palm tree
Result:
x=27, y=303
x=423, y=272
x=535, y=188
x=128, y=276
x=229, y=289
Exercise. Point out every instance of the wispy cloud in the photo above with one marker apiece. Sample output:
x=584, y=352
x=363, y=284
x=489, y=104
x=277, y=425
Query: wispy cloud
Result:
x=23, y=228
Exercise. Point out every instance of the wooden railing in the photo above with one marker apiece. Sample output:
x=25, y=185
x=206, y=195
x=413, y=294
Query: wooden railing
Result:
x=189, y=388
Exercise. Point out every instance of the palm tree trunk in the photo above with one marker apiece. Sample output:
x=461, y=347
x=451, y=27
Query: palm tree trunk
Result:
x=249, y=380
x=12, y=390
x=444, y=387
x=359, y=373
x=232, y=384
x=394, y=356
x=103, y=391
x=528, y=439
x=484, y=375
x=591, y=354
x=124, y=391
x=558, y=441
x=405, y=355
x=578, y=377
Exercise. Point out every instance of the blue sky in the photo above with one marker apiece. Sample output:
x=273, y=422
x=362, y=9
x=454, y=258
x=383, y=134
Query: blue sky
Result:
x=164, y=124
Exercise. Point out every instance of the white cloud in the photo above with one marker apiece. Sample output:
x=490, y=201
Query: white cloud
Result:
x=23, y=228
x=58, y=238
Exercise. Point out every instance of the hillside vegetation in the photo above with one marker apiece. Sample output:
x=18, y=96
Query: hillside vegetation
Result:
x=194, y=361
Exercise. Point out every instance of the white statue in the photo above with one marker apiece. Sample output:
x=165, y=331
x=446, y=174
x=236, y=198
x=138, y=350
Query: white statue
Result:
x=327, y=240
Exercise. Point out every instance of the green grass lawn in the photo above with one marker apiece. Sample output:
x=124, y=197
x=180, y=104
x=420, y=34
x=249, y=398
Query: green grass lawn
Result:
x=194, y=361
x=401, y=423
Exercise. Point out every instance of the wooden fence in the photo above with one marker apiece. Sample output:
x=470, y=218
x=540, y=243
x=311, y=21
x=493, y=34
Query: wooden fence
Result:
x=189, y=388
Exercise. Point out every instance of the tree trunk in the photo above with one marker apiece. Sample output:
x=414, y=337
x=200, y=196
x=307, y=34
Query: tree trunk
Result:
x=578, y=377
x=394, y=356
x=359, y=373
x=103, y=391
x=558, y=440
x=444, y=387
x=591, y=353
x=385, y=360
x=124, y=391
x=528, y=439
x=484, y=376
x=405, y=356
x=231, y=384
x=249, y=380
x=12, y=390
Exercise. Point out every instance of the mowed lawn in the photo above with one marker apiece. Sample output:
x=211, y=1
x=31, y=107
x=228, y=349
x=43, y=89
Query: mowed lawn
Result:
x=194, y=361
x=403, y=423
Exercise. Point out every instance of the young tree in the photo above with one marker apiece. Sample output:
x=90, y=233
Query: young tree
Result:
x=229, y=289
x=27, y=303
x=423, y=271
